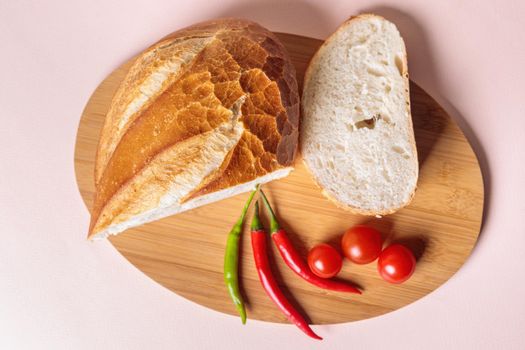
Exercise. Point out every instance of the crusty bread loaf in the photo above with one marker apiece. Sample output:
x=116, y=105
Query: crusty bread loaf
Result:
x=357, y=138
x=204, y=114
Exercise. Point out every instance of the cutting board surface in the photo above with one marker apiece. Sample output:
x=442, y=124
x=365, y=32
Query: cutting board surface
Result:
x=185, y=252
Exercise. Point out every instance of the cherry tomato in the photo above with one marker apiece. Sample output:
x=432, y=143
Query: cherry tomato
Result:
x=396, y=263
x=324, y=260
x=361, y=244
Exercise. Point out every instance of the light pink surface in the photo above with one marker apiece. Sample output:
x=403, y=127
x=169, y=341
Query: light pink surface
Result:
x=58, y=291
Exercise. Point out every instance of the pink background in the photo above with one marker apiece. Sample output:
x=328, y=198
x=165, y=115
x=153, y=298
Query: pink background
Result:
x=58, y=291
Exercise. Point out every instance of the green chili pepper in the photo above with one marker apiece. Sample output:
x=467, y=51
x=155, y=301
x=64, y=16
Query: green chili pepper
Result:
x=231, y=261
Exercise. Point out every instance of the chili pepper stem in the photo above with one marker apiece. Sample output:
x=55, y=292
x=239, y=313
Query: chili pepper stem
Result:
x=246, y=206
x=256, y=221
x=274, y=224
x=231, y=260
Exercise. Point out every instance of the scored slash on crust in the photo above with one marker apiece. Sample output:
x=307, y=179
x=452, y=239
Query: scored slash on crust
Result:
x=228, y=114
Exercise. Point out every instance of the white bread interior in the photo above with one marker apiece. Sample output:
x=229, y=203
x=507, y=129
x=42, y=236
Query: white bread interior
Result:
x=356, y=134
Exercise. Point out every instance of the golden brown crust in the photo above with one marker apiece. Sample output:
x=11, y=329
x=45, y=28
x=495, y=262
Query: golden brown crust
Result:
x=173, y=49
x=236, y=60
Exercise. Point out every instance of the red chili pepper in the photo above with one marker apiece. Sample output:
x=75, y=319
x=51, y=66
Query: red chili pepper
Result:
x=268, y=281
x=294, y=260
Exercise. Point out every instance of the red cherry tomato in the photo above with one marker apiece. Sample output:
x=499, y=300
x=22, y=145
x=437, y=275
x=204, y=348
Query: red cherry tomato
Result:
x=324, y=260
x=361, y=244
x=396, y=263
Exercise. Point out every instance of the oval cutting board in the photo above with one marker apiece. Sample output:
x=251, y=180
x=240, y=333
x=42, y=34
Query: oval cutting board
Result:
x=185, y=252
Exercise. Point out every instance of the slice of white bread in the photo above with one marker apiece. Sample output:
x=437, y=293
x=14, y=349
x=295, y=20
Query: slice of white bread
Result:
x=356, y=130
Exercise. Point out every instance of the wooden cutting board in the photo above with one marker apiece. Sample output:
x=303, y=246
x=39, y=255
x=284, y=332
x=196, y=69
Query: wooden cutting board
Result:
x=185, y=252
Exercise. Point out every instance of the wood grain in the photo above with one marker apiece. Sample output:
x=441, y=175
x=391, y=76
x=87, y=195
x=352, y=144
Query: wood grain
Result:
x=185, y=252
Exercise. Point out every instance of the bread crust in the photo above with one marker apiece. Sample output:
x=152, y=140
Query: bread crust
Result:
x=315, y=58
x=192, y=83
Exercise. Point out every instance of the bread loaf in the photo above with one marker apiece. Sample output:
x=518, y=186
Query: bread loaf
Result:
x=357, y=138
x=204, y=114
